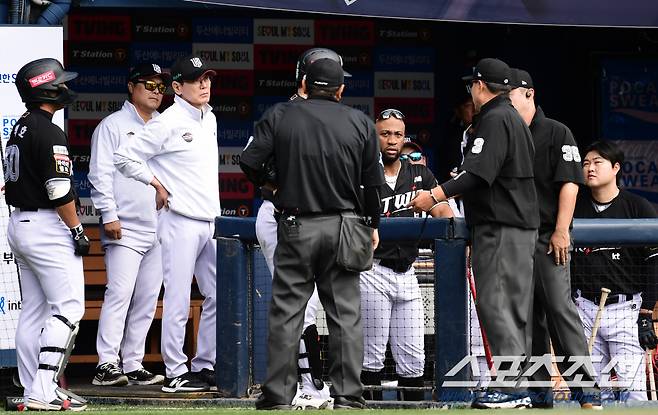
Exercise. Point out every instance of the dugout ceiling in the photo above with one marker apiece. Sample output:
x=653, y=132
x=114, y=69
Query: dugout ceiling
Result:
x=415, y=66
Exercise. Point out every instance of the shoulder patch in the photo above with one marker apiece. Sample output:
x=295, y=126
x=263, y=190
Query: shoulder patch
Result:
x=62, y=164
x=60, y=150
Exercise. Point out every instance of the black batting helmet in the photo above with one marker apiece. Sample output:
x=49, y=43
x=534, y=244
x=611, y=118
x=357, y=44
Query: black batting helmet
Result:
x=41, y=81
x=310, y=56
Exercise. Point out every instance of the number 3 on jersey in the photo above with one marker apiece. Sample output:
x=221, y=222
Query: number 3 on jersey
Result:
x=570, y=153
x=11, y=164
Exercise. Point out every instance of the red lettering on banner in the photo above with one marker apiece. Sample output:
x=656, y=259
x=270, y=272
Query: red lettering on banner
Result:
x=415, y=110
x=277, y=57
x=80, y=131
x=42, y=79
x=233, y=82
x=235, y=186
x=345, y=32
x=89, y=28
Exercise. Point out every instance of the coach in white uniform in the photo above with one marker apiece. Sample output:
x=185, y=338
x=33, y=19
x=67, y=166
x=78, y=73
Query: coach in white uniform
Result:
x=132, y=251
x=176, y=153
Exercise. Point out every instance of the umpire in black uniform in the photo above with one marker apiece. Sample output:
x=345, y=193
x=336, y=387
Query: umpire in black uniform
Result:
x=324, y=152
x=557, y=175
x=497, y=184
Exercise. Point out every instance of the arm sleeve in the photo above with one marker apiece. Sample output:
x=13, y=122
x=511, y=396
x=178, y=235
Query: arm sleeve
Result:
x=104, y=141
x=489, y=150
x=56, y=167
x=566, y=158
x=460, y=184
x=372, y=206
x=259, y=149
x=132, y=156
x=372, y=170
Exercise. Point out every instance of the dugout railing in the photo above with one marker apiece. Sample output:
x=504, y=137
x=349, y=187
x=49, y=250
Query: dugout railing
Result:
x=243, y=290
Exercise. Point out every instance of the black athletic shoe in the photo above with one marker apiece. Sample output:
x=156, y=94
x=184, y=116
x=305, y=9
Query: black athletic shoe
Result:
x=109, y=374
x=349, y=402
x=262, y=404
x=144, y=377
x=501, y=400
x=591, y=401
x=185, y=383
x=206, y=375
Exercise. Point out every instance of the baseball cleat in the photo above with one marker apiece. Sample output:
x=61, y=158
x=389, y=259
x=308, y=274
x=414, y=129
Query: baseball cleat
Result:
x=208, y=376
x=109, y=374
x=143, y=377
x=304, y=401
x=64, y=401
x=187, y=382
x=501, y=400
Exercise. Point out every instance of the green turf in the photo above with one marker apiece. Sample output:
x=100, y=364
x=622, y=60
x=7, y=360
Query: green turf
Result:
x=113, y=410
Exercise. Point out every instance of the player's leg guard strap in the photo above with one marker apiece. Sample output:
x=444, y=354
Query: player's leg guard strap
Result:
x=372, y=379
x=65, y=351
x=312, y=343
x=411, y=395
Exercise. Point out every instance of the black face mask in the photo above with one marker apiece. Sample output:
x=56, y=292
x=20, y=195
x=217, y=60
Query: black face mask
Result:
x=66, y=96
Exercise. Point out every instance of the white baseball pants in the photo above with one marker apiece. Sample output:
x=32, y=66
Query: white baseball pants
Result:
x=392, y=311
x=134, y=278
x=52, y=283
x=188, y=249
x=617, y=344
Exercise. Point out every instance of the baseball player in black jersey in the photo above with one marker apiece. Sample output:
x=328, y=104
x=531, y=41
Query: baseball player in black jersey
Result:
x=312, y=392
x=328, y=173
x=498, y=189
x=45, y=236
x=630, y=273
x=558, y=173
x=391, y=303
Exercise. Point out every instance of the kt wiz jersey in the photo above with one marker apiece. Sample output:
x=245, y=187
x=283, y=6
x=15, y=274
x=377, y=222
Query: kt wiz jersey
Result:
x=36, y=154
x=412, y=178
x=622, y=269
x=502, y=154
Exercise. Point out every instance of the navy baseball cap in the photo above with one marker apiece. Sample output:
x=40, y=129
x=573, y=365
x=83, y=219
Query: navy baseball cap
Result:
x=325, y=72
x=148, y=71
x=492, y=70
x=520, y=79
x=190, y=68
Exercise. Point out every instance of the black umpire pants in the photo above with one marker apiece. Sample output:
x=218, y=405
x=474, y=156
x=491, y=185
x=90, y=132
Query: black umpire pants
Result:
x=307, y=247
x=556, y=319
x=502, y=266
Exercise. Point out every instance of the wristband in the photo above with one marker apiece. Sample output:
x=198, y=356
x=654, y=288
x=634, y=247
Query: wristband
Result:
x=436, y=201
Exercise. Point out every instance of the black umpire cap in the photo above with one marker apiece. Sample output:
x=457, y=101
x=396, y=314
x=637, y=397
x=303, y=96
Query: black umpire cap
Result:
x=520, y=79
x=325, y=73
x=492, y=70
x=148, y=71
x=190, y=68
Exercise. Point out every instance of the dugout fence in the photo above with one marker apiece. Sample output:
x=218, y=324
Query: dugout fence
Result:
x=244, y=289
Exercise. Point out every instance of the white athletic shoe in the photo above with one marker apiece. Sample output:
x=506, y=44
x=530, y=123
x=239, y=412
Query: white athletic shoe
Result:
x=302, y=401
x=64, y=401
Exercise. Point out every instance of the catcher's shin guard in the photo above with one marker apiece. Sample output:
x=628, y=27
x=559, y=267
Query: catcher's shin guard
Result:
x=310, y=337
x=64, y=348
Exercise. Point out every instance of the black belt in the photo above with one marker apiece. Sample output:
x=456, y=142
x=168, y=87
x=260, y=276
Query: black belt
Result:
x=28, y=209
x=612, y=299
x=398, y=265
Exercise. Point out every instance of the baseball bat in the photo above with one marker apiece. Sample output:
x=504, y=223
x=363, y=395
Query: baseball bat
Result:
x=652, y=379
x=485, y=342
x=597, y=320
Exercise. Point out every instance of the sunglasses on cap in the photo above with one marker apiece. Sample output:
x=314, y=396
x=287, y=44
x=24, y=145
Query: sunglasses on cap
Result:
x=415, y=156
x=152, y=86
x=388, y=113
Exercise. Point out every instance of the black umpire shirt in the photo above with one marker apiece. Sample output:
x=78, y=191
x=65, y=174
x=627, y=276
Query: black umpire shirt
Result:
x=502, y=153
x=323, y=152
x=557, y=161
x=267, y=194
x=624, y=270
x=412, y=178
x=36, y=153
